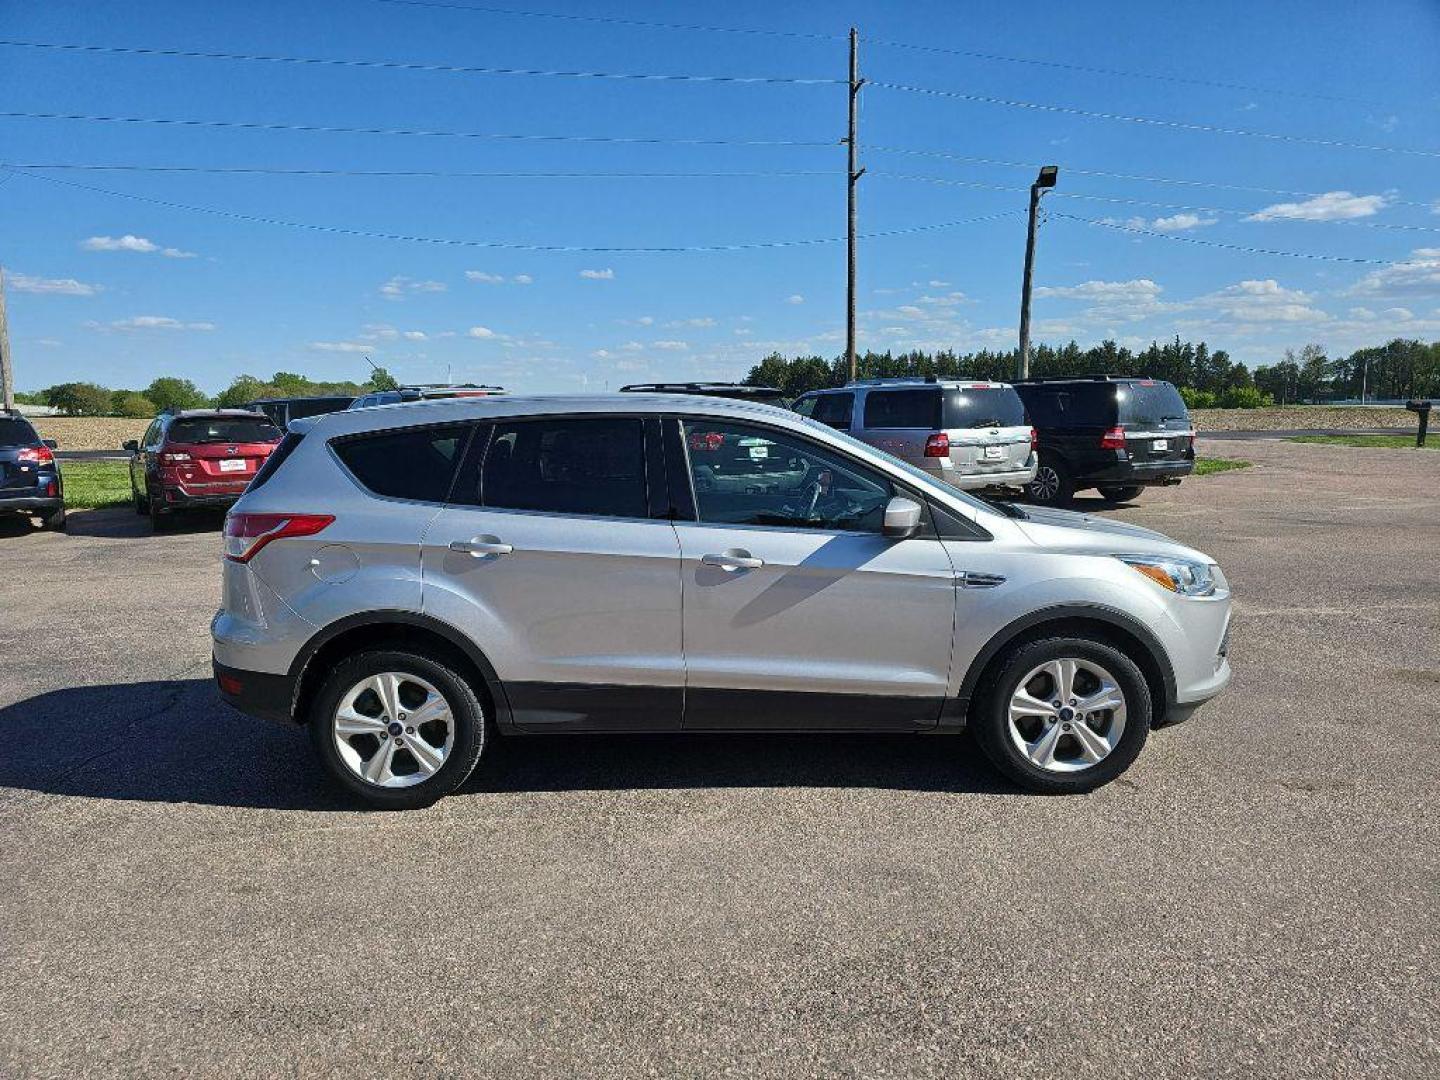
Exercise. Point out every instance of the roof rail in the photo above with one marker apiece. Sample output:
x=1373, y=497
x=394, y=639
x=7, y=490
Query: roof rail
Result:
x=713, y=389
x=1098, y=377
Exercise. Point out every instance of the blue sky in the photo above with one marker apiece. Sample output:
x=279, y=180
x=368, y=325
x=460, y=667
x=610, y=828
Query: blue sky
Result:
x=120, y=289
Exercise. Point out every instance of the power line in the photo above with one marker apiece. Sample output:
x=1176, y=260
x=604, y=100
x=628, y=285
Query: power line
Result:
x=561, y=249
x=335, y=129
x=1178, y=125
x=1122, y=227
x=267, y=170
x=404, y=65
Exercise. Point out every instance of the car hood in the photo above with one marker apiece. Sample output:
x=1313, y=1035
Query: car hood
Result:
x=1066, y=530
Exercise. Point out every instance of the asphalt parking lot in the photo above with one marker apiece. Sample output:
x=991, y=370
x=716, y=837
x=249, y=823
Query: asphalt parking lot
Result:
x=1258, y=896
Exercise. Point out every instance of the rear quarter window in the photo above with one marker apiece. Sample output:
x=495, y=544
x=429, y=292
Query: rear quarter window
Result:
x=413, y=463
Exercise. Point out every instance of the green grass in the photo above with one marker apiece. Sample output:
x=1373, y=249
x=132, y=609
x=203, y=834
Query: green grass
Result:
x=91, y=484
x=1395, y=442
x=1204, y=466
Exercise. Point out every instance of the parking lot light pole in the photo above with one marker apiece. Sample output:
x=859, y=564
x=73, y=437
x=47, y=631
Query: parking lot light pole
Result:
x=1043, y=183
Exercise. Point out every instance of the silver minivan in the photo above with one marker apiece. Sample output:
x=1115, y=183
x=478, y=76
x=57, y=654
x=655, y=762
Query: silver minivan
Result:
x=413, y=582
x=968, y=434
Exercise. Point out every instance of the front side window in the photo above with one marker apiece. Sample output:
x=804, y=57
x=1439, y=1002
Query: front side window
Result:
x=746, y=475
x=835, y=410
x=902, y=409
x=592, y=466
x=805, y=406
x=412, y=463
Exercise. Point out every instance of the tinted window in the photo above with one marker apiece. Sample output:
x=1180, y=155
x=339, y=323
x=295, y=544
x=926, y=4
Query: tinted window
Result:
x=15, y=432
x=316, y=406
x=998, y=406
x=835, y=410
x=226, y=429
x=414, y=463
x=566, y=466
x=273, y=462
x=902, y=409
x=747, y=475
x=1072, y=406
x=1151, y=404
x=805, y=406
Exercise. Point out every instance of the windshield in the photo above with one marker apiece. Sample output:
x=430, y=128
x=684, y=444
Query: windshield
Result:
x=998, y=406
x=1152, y=404
x=226, y=429
x=16, y=433
x=922, y=479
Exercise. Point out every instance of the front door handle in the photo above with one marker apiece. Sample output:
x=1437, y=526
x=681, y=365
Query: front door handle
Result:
x=480, y=547
x=734, y=559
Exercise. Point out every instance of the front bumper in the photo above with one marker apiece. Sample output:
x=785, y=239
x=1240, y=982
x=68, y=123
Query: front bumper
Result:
x=257, y=693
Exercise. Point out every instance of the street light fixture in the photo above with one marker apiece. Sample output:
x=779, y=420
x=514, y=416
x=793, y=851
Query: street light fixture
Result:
x=1043, y=183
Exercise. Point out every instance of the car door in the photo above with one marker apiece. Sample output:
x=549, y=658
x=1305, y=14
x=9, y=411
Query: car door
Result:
x=143, y=461
x=552, y=559
x=798, y=612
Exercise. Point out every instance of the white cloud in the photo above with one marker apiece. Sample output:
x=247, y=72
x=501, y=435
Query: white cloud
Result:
x=130, y=242
x=795, y=299
x=670, y=346
x=400, y=286
x=1103, y=290
x=482, y=332
x=1419, y=275
x=152, y=322
x=910, y=311
x=52, y=286
x=523, y=279
x=938, y=284
x=598, y=275
x=1332, y=206
x=340, y=346
x=698, y=323
x=481, y=275
x=1262, y=301
x=1182, y=222
x=414, y=335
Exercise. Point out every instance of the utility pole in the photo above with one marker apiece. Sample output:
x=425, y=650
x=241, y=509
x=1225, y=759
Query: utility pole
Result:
x=7, y=372
x=853, y=175
x=1043, y=183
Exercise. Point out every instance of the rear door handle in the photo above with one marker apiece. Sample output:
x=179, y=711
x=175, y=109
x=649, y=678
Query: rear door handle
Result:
x=733, y=560
x=480, y=548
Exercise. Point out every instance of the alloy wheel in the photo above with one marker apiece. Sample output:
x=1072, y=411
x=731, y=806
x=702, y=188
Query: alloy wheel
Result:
x=1046, y=484
x=1067, y=715
x=393, y=729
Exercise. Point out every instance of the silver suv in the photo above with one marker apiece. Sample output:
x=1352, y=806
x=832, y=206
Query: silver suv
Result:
x=968, y=434
x=411, y=582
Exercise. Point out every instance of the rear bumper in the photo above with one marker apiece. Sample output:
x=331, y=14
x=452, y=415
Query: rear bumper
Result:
x=972, y=478
x=177, y=498
x=1125, y=473
x=30, y=503
x=257, y=693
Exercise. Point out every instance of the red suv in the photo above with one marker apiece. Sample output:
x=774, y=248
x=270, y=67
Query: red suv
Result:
x=196, y=459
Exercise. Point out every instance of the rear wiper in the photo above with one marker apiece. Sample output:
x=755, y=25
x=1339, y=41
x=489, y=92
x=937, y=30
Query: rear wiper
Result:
x=1164, y=418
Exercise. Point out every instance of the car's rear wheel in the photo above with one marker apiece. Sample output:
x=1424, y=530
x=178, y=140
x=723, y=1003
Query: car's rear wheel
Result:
x=397, y=729
x=160, y=518
x=53, y=520
x=1063, y=715
x=1052, y=485
x=1128, y=493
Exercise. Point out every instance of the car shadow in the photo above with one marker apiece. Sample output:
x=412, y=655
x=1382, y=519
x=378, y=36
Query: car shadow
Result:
x=175, y=741
x=122, y=522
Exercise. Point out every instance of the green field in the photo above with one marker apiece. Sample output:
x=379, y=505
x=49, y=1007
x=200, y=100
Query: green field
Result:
x=1204, y=466
x=1391, y=442
x=89, y=484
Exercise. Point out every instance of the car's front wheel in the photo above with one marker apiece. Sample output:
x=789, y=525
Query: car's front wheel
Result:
x=397, y=729
x=54, y=520
x=1063, y=715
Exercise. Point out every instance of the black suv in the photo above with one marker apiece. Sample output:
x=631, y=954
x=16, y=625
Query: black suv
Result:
x=1110, y=432
x=30, y=481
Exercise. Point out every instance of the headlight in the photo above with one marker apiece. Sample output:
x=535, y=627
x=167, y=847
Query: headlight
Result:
x=1178, y=575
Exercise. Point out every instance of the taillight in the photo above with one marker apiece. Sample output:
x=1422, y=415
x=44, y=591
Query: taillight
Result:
x=40, y=455
x=1034, y=439
x=937, y=445
x=172, y=457
x=1114, y=439
x=245, y=534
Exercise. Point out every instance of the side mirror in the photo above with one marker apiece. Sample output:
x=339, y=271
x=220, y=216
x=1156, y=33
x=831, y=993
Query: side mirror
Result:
x=51, y=443
x=902, y=518
x=130, y=444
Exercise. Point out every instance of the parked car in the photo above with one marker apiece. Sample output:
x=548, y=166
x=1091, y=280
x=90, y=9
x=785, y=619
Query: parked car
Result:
x=282, y=410
x=1117, y=434
x=411, y=581
x=197, y=459
x=971, y=435
x=423, y=393
x=770, y=395
x=30, y=480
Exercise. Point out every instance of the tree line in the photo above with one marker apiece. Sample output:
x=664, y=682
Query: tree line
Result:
x=1206, y=378
x=171, y=393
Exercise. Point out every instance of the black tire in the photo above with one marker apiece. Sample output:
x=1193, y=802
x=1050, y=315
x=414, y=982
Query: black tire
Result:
x=160, y=519
x=1052, y=486
x=139, y=500
x=54, y=521
x=1121, y=494
x=472, y=729
x=990, y=719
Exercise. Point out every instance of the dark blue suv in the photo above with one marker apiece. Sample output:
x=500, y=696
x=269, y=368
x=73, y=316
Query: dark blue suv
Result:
x=30, y=481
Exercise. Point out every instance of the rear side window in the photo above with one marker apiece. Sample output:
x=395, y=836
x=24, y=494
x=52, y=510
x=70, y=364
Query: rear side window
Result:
x=413, y=463
x=594, y=467
x=983, y=407
x=14, y=432
x=277, y=456
x=837, y=410
x=902, y=409
x=1150, y=404
x=226, y=429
